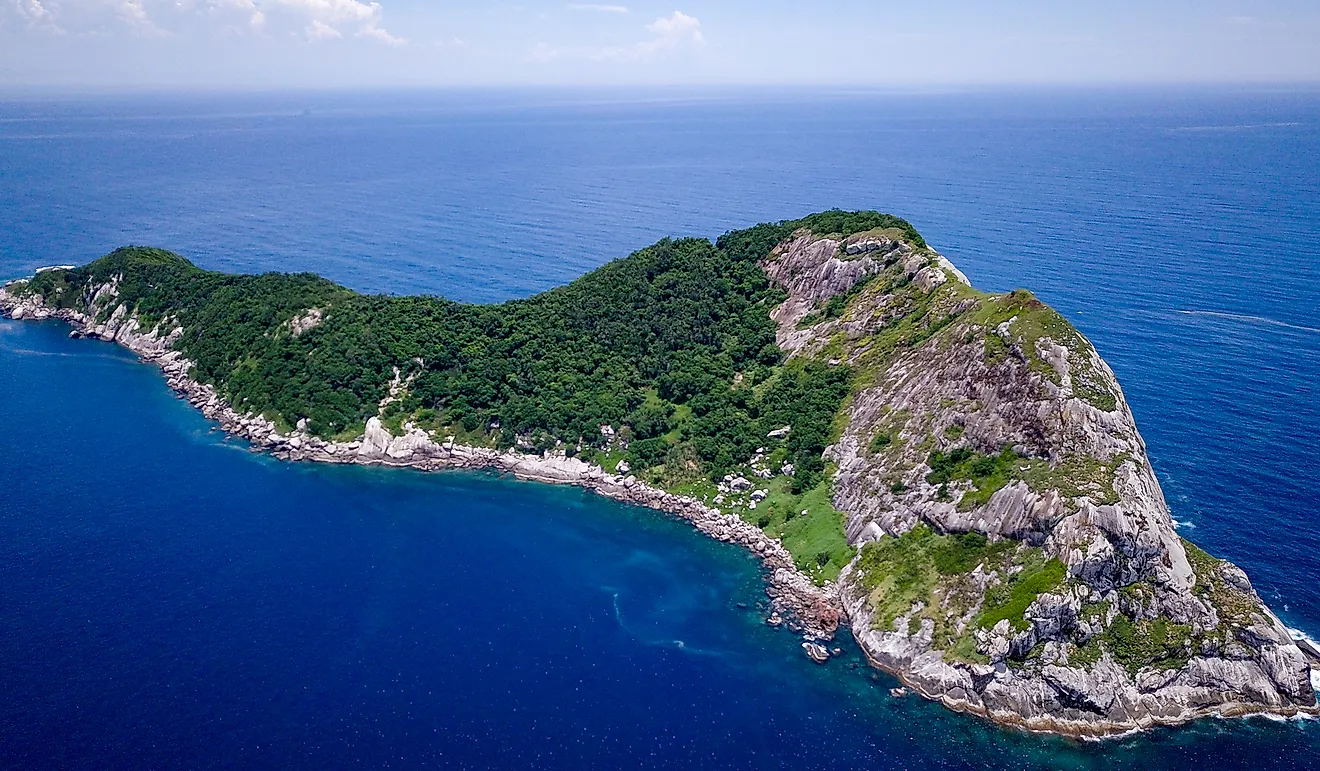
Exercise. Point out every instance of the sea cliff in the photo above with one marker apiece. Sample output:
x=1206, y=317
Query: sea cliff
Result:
x=975, y=500
x=1017, y=557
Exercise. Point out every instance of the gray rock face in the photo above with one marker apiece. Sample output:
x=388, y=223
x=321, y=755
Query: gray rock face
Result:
x=950, y=368
x=814, y=270
x=305, y=322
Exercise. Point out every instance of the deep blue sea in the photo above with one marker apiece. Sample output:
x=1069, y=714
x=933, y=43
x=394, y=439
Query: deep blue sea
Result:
x=168, y=599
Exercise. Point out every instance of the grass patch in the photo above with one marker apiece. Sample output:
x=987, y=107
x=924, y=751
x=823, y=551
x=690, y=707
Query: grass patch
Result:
x=1033, y=320
x=1146, y=643
x=907, y=317
x=816, y=538
x=1085, y=656
x=1093, y=391
x=987, y=473
x=1011, y=600
x=1075, y=476
x=996, y=350
x=1030, y=320
x=1235, y=607
x=898, y=572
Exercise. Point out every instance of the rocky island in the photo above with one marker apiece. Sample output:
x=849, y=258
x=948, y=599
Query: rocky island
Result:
x=953, y=475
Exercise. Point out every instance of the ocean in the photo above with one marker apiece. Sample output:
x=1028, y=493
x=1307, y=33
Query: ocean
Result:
x=168, y=599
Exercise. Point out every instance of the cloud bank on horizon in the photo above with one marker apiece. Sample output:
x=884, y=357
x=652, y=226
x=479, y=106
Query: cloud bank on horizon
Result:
x=444, y=42
x=668, y=33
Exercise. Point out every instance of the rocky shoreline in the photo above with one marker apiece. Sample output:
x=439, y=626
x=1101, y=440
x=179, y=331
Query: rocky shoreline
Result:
x=1053, y=402
x=815, y=611
x=1005, y=698
x=1033, y=675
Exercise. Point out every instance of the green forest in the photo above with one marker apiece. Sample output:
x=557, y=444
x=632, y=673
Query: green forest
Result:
x=626, y=345
x=673, y=346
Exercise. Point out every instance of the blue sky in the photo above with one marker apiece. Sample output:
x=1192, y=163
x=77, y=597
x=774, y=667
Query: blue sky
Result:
x=356, y=43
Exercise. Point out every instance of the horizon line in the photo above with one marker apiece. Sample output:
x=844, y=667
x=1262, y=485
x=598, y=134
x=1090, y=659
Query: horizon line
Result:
x=831, y=87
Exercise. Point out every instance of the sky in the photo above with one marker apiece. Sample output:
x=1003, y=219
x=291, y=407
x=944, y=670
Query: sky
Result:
x=403, y=43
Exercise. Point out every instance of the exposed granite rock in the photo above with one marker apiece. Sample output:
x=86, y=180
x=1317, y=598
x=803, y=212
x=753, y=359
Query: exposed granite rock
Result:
x=812, y=270
x=944, y=367
x=305, y=322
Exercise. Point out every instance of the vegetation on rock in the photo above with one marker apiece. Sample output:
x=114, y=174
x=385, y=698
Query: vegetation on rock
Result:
x=925, y=574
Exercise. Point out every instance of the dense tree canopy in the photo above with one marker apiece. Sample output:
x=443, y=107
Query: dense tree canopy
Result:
x=672, y=345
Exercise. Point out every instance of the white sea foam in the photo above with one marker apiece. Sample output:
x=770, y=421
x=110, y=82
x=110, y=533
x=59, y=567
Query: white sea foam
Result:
x=85, y=355
x=1234, y=127
x=1251, y=319
x=32, y=352
x=1299, y=636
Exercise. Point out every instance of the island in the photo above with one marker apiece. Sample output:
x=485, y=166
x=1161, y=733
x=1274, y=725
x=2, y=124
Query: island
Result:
x=954, y=476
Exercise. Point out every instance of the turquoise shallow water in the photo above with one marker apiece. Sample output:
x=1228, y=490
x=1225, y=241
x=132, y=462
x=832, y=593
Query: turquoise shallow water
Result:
x=173, y=600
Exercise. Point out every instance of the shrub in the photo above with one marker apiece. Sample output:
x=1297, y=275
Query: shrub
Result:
x=647, y=452
x=1010, y=601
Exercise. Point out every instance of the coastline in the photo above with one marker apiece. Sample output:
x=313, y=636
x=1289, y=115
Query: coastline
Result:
x=814, y=611
x=872, y=644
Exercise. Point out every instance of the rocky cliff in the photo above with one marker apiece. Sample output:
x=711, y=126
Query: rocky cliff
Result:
x=1016, y=556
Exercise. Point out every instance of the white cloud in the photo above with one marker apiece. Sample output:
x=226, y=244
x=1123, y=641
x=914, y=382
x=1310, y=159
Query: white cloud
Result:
x=134, y=13
x=598, y=7
x=35, y=15
x=335, y=14
x=319, y=30
x=668, y=33
x=676, y=27
x=381, y=34
x=316, y=19
x=254, y=16
x=335, y=11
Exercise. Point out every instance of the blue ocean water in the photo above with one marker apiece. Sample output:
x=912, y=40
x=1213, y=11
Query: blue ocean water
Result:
x=169, y=599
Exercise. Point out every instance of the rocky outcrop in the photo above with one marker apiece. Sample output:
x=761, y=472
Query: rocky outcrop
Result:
x=815, y=610
x=814, y=269
x=952, y=377
x=306, y=321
